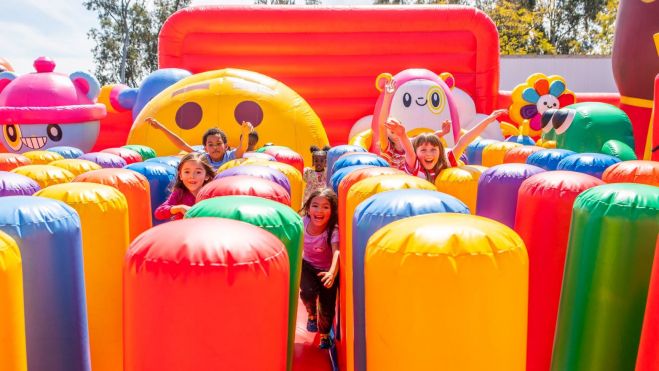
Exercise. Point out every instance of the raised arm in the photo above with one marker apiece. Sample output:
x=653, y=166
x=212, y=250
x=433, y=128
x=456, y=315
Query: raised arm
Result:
x=446, y=127
x=245, y=129
x=472, y=134
x=399, y=130
x=175, y=139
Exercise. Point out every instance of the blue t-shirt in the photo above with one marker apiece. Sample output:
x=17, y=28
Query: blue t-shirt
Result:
x=228, y=156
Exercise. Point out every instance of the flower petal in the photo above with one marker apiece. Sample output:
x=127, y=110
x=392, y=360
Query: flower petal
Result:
x=566, y=100
x=542, y=86
x=530, y=95
x=529, y=111
x=557, y=88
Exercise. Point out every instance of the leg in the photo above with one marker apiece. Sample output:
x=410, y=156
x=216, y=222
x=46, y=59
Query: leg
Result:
x=309, y=288
x=327, y=299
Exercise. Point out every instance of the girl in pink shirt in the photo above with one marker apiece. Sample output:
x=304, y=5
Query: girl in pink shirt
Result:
x=320, y=262
x=194, y=172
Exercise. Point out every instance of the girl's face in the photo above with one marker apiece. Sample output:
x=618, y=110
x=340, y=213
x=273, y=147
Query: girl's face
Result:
x=193, y=176
x=320, y=211
x=428, y=155
x=319, y=162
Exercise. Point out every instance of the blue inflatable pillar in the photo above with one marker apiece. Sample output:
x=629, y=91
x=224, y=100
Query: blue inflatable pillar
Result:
x=160, y=176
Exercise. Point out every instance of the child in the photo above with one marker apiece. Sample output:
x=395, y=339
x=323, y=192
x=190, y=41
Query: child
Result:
x=320, y=262
x=394, y=152
x=214, y=140
x=193, y=173
x=426, y=158
x=315, y=177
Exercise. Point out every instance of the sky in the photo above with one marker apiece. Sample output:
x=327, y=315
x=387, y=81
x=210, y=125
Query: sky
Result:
x=61, y=31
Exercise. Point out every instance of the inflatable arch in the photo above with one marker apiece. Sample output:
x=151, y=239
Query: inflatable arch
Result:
x=331, y=56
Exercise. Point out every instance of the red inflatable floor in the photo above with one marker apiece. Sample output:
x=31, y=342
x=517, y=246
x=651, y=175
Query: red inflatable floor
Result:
x=307, y=356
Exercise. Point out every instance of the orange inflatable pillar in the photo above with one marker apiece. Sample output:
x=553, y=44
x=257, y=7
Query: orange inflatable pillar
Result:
x=446, y=292
x=134, y=186
x=359, y=192
x=104, y=222
x=13, y=356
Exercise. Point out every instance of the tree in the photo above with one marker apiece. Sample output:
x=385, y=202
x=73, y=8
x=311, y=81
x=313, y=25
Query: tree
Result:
x=126, y=39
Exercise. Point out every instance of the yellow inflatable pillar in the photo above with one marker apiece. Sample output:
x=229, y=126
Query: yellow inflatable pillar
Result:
x=494, y=153
x=104, y=221
x=76, y=166
x=42, y=157
x=359, y=192
x=461, y=183
x=13, y=355
x=446, y=292
x=45, y=175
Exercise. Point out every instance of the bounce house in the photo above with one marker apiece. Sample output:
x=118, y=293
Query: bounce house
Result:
x=536, y=251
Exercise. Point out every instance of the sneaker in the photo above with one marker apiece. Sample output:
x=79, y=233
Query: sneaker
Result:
x=325, y=342
x=312, y=325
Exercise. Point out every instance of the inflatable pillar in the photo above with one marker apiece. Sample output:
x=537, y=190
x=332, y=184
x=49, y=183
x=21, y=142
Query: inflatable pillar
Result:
x=145, y=152
x=643, y=172
x=67, y=152
x=76, y=166
x=648, y=357
x=196, y=302
x=160, y=177
x=493, y=154
x=262, y=172
x=607, y=271
x=12, y=318
x=294, y=179
x=548, y=159
x=335, y=152
x=275, y=218
x=10, y=161
x=244, y=185
x=542, y=220
x=42, y=157
x=588, y=163
x=104, y=223
x=446, y=292
x=48, y=236
x=172, y=161
x=16, y=185
x=374, y=213
x=45, y=175
x=461, y=183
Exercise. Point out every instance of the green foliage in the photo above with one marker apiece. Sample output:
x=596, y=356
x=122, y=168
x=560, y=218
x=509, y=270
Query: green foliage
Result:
x=520, y=30
x=127, y=37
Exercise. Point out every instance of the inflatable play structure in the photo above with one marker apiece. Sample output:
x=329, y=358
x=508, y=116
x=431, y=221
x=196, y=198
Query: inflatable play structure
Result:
x=516, y=259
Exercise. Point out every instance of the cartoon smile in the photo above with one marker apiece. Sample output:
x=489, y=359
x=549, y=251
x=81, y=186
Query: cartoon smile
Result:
x=34, y=142
x=421, y=101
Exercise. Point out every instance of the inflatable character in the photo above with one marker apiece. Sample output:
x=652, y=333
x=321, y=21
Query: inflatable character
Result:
x=418, y=98
x=591, y=127
x=47, y=109
x=224, y=99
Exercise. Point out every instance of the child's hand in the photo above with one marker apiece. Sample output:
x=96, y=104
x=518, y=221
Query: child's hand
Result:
x=246, y=128
x=446, y=127
x=179, y=209
x=327, y=278
x=499, y=112
x=153, y=122
x=395, y=127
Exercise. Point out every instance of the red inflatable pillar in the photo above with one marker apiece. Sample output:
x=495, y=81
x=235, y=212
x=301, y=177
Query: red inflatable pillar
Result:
x=648, y=349
x=544, y=212
x=206, y=294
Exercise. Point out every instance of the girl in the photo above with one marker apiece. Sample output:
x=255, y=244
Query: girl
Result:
x=427, y=157
x=394, y=152
x=193, y=173
x=320, y=262
x=315, y=177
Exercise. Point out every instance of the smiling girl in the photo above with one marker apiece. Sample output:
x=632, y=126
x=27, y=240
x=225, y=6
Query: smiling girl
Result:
x=320, y=262
x=193, y=173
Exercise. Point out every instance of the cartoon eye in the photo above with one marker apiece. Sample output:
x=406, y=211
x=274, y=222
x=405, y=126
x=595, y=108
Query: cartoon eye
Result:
x=436, y=98
x=189, y=115
x=407, y=99
x=54, y=132
x=562, y=120
x=545, y=120
x=248, y=111
x=12, y=135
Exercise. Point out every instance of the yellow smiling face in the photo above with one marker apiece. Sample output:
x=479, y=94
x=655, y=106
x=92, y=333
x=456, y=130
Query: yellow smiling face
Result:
x=224, y=99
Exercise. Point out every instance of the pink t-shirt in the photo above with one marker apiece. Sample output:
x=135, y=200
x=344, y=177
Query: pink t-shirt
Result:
x=316, y=251
x=178, y=197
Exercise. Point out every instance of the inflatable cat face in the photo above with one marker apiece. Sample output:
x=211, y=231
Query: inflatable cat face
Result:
x=419, y=99
x=47, y=109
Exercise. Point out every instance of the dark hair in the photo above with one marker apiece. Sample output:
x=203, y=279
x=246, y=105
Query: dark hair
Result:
x=214, y=131
x=334, y=209
x=200, y=158
x=434, y=141
x=323, y=151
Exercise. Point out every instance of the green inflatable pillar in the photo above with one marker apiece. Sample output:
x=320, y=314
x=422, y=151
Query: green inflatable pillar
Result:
x=607, y=271
x=274, y=217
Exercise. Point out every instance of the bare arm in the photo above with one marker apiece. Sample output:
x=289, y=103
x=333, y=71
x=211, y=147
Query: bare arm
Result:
x=175, y=139
x=446, y=127
x=245, y=129
x=399, y=130
x=328, y=278
x=469, y=136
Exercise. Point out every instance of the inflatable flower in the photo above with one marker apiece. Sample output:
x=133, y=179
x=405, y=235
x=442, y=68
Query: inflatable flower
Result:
x=538, y=94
